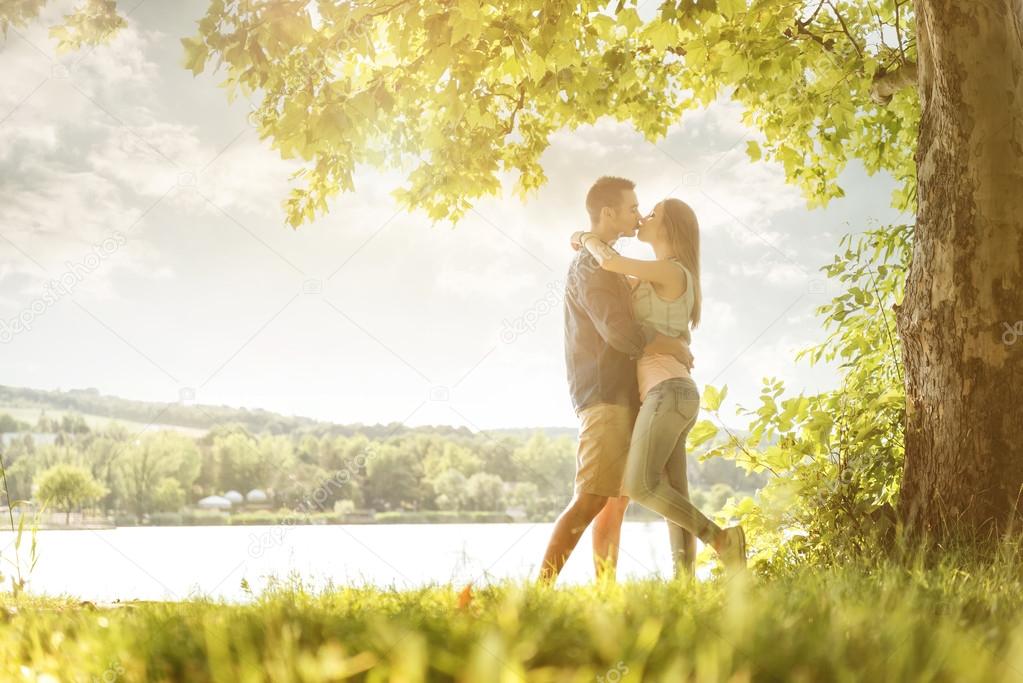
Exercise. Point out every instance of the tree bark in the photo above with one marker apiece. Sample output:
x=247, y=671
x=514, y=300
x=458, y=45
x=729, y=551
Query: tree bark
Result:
x=960, y=319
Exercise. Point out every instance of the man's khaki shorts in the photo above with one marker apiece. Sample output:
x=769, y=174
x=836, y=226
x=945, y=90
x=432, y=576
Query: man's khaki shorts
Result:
x=604, y=434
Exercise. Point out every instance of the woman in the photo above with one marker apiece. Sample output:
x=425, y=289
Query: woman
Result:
x=667, y=297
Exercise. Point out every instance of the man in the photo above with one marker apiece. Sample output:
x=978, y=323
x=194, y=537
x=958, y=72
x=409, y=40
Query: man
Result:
x=602, y=343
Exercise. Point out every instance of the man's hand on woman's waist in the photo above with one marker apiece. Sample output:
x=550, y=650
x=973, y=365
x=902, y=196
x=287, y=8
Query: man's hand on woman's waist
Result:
x=671, y=346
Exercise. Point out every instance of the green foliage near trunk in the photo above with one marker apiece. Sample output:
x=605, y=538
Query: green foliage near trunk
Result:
x=836, y=457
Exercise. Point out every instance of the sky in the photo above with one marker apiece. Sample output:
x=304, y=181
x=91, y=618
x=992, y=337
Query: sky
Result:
x=154, y=204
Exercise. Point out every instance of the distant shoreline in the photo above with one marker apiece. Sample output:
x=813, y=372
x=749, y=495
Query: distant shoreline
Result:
x=319, y=519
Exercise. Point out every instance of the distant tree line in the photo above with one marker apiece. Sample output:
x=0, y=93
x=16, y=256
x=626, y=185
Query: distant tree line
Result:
x=197, y=416
x=115, y=470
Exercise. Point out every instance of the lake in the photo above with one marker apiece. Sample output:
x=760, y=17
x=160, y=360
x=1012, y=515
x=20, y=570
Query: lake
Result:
x=173, y=563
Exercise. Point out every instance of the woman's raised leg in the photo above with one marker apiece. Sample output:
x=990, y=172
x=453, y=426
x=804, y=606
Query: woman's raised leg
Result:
x=665, y=418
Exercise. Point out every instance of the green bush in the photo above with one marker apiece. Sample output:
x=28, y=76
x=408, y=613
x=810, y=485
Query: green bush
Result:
x=204, y=518
x=165, y=519
x=125, y=519
x=265, y=517
x=835, y=458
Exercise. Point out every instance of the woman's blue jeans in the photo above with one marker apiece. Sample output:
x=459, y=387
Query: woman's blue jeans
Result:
x=655, y=474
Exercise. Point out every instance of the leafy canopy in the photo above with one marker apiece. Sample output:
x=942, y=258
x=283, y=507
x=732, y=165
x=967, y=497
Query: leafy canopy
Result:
x=453, y=93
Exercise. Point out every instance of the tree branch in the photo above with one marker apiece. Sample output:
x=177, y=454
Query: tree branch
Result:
x=898, y=29
x=886, y=84
x=846, y=29
x=812, y=16
x=801, y=30
x=516, y=110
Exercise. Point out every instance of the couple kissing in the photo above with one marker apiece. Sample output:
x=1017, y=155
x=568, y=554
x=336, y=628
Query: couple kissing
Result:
x=628, y=328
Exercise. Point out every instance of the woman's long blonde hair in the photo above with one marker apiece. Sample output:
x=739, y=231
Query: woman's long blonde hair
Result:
x=684, y=236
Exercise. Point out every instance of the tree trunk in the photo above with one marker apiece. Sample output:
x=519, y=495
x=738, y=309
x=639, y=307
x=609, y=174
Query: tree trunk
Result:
x=962, y=318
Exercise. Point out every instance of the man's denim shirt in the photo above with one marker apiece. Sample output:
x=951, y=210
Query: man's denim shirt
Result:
x=602, y=338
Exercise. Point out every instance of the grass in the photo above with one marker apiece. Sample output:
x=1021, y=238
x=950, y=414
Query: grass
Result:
x=845, y=624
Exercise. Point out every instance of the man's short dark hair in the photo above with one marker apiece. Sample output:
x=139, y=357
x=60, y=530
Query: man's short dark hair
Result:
x=607, y=191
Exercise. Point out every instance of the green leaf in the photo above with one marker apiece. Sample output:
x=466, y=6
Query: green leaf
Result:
x=661, y=35
x=735, y=67
x=713, y=397
x=537, y=67
x=195, y=55
x=753, y=150
x=729, y=8
x=630, y=19
x=604, y=25
x=702, y=432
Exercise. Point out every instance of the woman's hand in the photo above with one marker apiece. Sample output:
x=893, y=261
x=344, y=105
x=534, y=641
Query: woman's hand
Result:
x=577, y=239
x=596, y=246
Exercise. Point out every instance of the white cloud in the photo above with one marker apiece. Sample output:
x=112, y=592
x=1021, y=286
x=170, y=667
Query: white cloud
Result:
x=26, y=139
x=118, y=67
x=774, y=268
x=718, y=316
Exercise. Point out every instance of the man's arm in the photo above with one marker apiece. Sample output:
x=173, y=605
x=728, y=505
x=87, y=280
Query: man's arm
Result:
x=611, y=314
